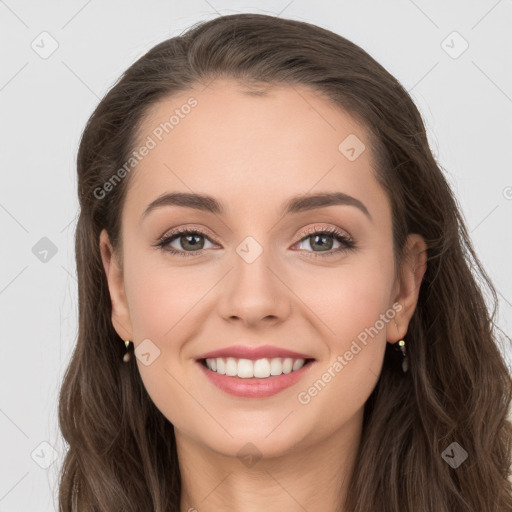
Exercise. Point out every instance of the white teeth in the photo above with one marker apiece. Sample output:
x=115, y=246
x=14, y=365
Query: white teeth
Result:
x=231, y=366
x=245, y=368
x=276, y=367
x=221, y=366
x=287, y=365
x=260, y=368
x=298, y=364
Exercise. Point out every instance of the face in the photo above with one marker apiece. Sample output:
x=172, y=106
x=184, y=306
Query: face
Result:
x=318, y=280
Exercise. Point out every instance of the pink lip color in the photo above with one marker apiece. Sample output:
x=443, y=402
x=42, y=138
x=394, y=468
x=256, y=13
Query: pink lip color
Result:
x=244, y=352
x=254, y=388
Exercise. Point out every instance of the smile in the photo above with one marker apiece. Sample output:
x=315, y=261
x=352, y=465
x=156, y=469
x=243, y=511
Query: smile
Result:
x=260, y=368
x=254, y=378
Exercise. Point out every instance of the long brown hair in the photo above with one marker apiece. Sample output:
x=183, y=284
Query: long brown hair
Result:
x=122, y=453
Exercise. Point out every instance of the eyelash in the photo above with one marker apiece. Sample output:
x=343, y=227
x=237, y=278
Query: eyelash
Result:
x=347, y=243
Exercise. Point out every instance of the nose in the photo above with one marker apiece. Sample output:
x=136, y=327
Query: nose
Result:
x=255, y=291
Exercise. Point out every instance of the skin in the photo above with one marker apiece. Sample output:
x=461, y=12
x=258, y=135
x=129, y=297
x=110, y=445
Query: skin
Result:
x=252, y=153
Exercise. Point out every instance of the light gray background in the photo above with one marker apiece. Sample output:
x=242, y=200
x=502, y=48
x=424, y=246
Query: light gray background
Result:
x=466, y=103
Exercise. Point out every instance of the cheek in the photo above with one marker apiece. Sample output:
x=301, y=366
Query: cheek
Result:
x=346, y=300
x=342, y=382
x=162, y=301
x=161, y=296
x=350, y=306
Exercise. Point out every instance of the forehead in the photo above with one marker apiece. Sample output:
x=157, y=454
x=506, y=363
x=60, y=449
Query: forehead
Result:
x=250, y=149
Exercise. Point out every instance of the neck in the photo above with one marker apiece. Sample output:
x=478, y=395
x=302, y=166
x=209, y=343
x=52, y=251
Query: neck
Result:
x=314, y=476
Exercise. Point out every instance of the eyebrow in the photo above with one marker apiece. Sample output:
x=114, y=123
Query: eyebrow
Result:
x=293, y=205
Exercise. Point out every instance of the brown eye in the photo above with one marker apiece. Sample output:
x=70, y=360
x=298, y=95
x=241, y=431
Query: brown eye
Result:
x=324, y=239
x=189, y=240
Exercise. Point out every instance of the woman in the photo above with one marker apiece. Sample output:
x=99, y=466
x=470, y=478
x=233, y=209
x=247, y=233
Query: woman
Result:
x=263, y=222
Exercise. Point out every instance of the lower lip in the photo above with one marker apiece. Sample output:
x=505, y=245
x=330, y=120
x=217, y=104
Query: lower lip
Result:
x=254, y=387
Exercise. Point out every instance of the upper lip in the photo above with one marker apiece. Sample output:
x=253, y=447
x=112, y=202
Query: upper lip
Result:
x=246, y=352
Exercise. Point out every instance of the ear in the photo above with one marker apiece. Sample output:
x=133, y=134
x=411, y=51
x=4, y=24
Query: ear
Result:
x=120, y=313
x=412, y=270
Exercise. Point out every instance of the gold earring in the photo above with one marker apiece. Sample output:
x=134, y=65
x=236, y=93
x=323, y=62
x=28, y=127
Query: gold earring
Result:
x=401, y=347
x=405, y=360
x=126, y=356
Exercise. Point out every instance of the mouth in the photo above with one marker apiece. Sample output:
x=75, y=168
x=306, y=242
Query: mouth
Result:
x=254, y=378
x=263, y=368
